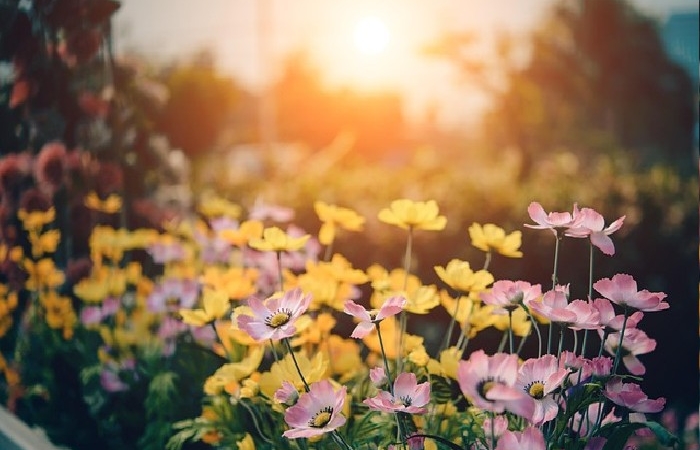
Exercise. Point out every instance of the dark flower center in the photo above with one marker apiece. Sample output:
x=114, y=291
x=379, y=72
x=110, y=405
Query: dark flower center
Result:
x=321, y=418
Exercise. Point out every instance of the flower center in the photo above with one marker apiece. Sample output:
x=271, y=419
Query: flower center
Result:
x=484, y=386
x=278, y=319
x=406, y=400
x=535, y=389
x=321, y=419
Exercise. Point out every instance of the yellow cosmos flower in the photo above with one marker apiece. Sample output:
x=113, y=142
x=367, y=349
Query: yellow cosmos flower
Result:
x=42, y=274
x=246, y=443
x=316, y=332
x=389, y=329
x=422, y=299
x=330, y=283
x=215, y=305
x=449, y=361
x=111, y=205
x=91, y=290
x=521, y=322
x=459, y=276
x=333, y=216
x=46, y=242
x=460, y=308
x=490, y=237
x=8, y=303
x=419, y=357
x=33, y=221
x=219, y=207
x=387, y=284
x=234, y=372
x=344, y=357
x=59, y=313
x=482, y=317
x=285, y=370
x=250, y=229
x=407, y=214
x=276, y=240
x=237, y=282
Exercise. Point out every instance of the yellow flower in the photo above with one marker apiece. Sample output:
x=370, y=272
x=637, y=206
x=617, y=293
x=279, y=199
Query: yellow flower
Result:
x=46, y=242
x=460, y=308
x=330, y=283
x=246, y=443
x=276, y=240
x=250, y=229
x=33, y=221
x=459, y=276
x=422, y=299
x=490, y=237
x=419, y=357
x=234, y=372
x=91, y=290
x=389, y=329
x=215, y=305
x=219, y=207
x=521, y=322
x=42, y=274
x=59, y=313
x=8, y=303
x=482, y=317
x=408, y=214
x=237, y=282
x=389, y=284
x=111, y=205
x=449, y=361
x=344, y=357
x=331, y=216
x=285, y=370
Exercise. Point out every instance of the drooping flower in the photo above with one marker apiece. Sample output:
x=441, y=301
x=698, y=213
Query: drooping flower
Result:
x=409, y=214
x=553, y=221
x=614, y=322
x=287, y=394
x=391, y=306
x=332, y=216
x=576, y=315
x=489, y=237
x=622, y=290
x=635, y=342
x=274, y=317
x=540, y=378
x=378, y=376
x=276, y=240
x=489, y=383
x=316, y=412
x=408, y=396
x=215, y=305
x=507, y=295
x=630, y=396
x=591, y=223
x=531, y=438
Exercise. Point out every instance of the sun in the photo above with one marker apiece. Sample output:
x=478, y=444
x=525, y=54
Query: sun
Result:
x=371, y=36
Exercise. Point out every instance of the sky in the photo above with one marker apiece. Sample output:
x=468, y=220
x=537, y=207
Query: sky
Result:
x=165, y=30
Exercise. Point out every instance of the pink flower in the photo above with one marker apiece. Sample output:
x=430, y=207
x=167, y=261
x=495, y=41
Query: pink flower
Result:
x=408, y=396
x=622, y=290
x=576, y=315
x=600, y=366
x=378, y=376
x=317, y=411
x=612, y=321
x=274, y=318
x=172, y=294
x=539, y=378
x=287, y=394
x=391, y=306
x=635, y=342
x=530, y=439
x=630, y=396
x=494, y=428
x=551, y=221
x=489, y=383
x=507, y=295
x=49, y=169
x=263, y=211
x=591, y=224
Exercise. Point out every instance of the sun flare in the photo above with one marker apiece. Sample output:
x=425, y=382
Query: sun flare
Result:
x=371, y=36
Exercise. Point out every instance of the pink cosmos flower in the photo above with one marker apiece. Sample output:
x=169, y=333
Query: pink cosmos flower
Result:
x=274, y=318
x=408, y=397
x=530, y=439
x=368, y=319
x=622, y=290
x=630, y=396
x=591, y=223
x=551, y=221
x=610, y=320
x=576, y=315
x=378, y=376
x=317, y=411
x=489, y=383
x=494, y=428
x=287, y=394
x=585, y=421
x=635, y=342
x=264, y=211
x=539, y=378
x=600, y=366
x=163, y=252
x=508, y=295
x=172, y=294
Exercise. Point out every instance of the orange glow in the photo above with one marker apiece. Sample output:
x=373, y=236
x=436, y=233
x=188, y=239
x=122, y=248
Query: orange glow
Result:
x=371, y=35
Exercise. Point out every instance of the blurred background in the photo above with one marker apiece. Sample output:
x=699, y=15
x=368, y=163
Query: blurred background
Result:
x=483, y=107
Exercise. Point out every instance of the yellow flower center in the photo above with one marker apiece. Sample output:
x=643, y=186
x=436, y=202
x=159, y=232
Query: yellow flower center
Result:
x=321, y=419
x=536, y=390
x=278, y=319
x=484, y=387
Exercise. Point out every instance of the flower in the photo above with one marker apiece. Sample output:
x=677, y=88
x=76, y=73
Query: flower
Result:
x=591, y=223
x=215, y=305
x=276, y=240
x=612, y=321
x=540, y=378
x=635, y=342
x=459, y=276
x=508, y=295
x=378, y=376
x=49, y=169
x=622, y=290
x=409, y=214
x=317, y=411
x=172, y=294
x=391, y=307
x=274, y=318
x=285, y=369
x=576, y=315
x=287, y=394
x=551, y=221
x=489, y=383
x=250, y=229
x=331, y=216
x=630, y=396
x=489, y=237
x=213, y=207
x=530, y=438
x=408, y=396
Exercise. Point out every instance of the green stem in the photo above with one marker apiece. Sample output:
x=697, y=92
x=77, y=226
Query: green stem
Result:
x=451, y=326
x=554, y=282
x=618, y=351
x=403, y=318
x=296, y=364
x=386, y=361
x=510, y=330
x=279, y=270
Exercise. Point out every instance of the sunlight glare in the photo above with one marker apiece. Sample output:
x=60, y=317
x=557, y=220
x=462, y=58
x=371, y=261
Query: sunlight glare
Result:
x=371, y=36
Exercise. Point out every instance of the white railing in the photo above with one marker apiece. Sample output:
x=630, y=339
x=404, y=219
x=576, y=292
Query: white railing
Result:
x=16, y=435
